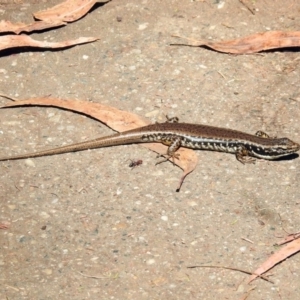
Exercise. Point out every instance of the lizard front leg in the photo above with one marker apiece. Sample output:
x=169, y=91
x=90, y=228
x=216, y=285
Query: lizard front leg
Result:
x=242, y=155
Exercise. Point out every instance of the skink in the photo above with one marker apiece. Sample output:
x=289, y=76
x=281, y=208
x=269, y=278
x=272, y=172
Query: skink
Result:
x=246, y=147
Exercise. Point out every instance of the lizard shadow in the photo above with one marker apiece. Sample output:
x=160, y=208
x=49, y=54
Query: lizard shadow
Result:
x=292, y=156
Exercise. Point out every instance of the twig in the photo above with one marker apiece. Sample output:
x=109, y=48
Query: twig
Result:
x=8, y=97
x=247, y=240
x=97, y=277
x=233, y=269
x=248, y=293
x=247, y=6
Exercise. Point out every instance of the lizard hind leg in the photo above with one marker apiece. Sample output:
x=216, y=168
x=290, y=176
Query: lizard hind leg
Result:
x=172, y=119
x=262, y=134
x=174, y=144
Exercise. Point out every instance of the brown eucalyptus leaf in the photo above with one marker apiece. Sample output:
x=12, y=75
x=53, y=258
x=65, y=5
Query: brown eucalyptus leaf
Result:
x=67, y=11
x=118, y=120
x=13, y=41
x=7, y=26
x=277, y=257
x=252, y=43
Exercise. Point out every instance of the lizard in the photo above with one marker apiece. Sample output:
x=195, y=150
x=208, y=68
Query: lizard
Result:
x=246, y=147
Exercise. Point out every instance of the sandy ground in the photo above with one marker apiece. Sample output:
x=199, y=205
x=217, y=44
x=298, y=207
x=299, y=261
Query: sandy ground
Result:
x=86, y=226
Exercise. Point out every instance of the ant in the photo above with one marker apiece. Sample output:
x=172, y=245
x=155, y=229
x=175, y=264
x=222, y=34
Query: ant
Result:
x=135, y=163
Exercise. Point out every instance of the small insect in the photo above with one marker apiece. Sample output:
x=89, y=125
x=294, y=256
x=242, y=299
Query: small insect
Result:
x=135, y=163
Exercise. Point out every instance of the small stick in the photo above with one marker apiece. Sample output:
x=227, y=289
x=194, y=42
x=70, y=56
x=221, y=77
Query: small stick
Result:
x=233, y=269
x=247, y=6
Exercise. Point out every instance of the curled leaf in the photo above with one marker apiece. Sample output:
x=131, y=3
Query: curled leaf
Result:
x=67, y=11
x=7, y=26
x=13, y=41
x=250, y=44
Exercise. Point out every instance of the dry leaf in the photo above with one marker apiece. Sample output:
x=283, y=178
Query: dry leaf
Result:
x=58, y=15
x=252, y=43
x=118, y=120
x=277, y=257
x=13, y=41
x=68, y=11
x=7, y=26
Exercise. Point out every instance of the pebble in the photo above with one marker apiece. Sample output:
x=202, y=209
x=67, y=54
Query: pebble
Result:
x=47, y=271
x=221, y=4
x=143, y=26
x=150, y=262
x=164, y=218
x=29, y=162
x=44, y=215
